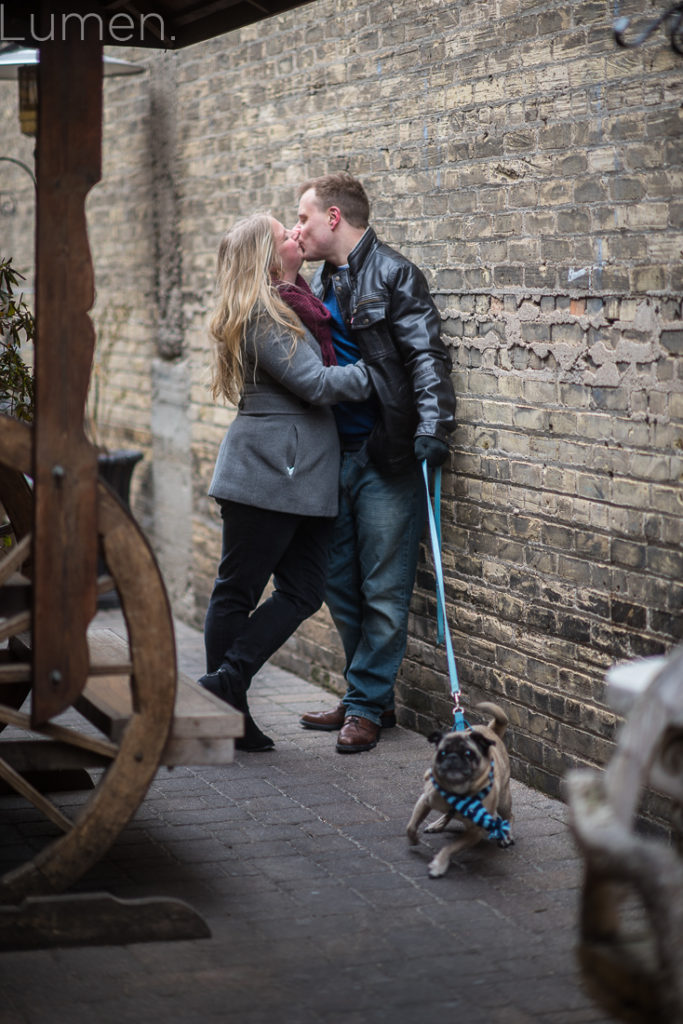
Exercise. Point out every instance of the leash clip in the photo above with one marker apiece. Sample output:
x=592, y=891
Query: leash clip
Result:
x=458, y=713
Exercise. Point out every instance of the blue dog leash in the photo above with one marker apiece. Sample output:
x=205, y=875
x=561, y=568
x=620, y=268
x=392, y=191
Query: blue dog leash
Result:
x=437, y=519
x=442, y=623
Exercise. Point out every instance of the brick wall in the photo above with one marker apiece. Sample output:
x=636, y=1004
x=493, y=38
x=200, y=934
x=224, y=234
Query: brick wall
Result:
x=563, y=512
x=535, y=172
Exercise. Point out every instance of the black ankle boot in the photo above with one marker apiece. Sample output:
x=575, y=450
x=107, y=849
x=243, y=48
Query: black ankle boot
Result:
x=220, y=685
x=253, y=738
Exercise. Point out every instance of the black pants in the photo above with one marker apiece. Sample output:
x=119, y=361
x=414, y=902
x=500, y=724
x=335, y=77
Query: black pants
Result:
x=239, y=633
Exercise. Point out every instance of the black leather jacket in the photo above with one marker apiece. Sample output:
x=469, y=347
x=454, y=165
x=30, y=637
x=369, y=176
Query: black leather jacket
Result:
x=387, y=308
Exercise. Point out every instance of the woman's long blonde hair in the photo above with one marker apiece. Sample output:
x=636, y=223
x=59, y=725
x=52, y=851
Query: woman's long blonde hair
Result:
x=248, y=269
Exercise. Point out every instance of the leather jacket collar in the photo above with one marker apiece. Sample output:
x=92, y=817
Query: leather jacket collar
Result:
x=356, y=257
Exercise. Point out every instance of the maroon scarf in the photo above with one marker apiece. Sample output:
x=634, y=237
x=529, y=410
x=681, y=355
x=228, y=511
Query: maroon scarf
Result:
x=312, y=313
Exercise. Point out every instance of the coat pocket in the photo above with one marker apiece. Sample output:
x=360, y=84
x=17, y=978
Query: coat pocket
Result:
x=291, y=450
x=370, y=328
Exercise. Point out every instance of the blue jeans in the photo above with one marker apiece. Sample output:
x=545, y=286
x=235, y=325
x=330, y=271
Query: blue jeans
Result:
x=373, y=559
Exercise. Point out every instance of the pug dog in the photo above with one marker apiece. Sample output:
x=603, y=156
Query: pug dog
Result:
x=469, y=780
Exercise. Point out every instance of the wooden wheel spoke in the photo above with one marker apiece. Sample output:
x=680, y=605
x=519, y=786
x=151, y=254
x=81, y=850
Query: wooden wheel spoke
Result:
x=30, y=793
x=15, y=672
x=14, y=624
x=59, y=732
x=15, y=557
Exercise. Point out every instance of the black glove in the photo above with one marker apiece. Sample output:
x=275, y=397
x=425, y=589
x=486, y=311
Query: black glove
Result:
x=431, y=449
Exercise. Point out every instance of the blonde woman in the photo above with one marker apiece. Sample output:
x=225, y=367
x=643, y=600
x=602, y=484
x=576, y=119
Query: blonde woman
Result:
x=276, y=475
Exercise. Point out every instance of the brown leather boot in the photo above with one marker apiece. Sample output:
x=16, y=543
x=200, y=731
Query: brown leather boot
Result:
x=328, y=721
x=357, y=734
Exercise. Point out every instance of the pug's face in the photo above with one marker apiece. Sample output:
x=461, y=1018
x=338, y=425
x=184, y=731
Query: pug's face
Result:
x=460, y=760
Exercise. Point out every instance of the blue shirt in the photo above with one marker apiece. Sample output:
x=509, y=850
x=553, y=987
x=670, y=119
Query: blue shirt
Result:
x=355, y=420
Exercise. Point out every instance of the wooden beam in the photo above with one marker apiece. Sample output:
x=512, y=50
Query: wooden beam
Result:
x=64, y=462
x=60, y=732
x=92, y=919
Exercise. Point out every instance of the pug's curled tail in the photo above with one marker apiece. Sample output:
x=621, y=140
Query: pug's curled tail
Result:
x=499, y=719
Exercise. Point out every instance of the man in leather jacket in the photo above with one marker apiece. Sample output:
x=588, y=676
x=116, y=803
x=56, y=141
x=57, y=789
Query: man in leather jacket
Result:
x=382, y=312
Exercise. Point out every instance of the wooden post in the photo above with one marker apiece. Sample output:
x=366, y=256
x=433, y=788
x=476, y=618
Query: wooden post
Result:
x=64, y=462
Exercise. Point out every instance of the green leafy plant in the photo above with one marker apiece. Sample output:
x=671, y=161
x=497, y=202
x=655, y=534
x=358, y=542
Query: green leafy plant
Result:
x=17, y=328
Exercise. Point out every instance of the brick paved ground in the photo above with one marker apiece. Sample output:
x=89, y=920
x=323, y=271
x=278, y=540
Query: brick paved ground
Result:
x=318, y=909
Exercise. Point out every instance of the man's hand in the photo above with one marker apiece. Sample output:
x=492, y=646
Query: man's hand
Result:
x=431, y=449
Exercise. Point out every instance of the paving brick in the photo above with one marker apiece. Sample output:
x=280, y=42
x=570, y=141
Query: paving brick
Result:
x=335, y=917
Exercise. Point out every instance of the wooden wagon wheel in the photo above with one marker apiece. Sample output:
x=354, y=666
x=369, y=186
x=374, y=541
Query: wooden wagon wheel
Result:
x=16, y=510
x=131, y=764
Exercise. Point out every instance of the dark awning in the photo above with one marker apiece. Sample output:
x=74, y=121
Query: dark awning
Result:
x=166, y=24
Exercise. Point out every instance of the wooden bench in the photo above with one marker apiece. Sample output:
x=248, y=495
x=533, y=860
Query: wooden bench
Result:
x=204, y=728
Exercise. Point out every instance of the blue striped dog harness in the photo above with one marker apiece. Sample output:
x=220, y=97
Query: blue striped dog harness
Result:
x=472, y=808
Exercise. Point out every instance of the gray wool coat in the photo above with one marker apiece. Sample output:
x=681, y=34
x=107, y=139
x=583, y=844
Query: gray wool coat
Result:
x=281, y=452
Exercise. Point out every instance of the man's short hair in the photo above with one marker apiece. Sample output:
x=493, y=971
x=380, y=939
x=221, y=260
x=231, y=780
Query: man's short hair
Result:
x=344, y=191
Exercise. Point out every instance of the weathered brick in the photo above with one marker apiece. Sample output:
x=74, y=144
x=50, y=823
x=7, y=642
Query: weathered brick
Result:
x=673, y=341
x=628, y=554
